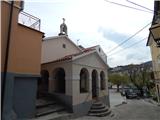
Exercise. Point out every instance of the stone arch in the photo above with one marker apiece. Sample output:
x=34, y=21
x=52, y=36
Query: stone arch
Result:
x=102, y=80
x=59, y=80
x=84, y=80
x=94, y=84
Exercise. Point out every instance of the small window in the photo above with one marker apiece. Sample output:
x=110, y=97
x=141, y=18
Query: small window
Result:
x=64, y=45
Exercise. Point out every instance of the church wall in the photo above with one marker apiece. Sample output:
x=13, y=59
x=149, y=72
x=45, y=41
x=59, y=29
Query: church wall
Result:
x=53, y=48
x=92, y=60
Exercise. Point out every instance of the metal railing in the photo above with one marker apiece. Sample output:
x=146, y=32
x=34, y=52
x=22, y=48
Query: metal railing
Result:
x=29, y=20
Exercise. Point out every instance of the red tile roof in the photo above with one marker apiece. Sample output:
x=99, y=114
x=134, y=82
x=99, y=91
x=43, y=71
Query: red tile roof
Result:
x=69, y=57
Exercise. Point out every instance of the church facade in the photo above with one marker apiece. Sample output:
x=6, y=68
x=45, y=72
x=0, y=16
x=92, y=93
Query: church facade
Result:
x=76, y=76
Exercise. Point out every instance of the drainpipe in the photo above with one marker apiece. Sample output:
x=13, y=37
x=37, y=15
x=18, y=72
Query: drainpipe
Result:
x=7, y=54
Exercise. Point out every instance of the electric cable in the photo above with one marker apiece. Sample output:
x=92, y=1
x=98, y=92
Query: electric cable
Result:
x=128, y=38
x=127, y=6
x=128, y=47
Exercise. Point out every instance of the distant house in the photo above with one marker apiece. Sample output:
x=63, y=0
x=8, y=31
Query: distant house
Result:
x=76, y=75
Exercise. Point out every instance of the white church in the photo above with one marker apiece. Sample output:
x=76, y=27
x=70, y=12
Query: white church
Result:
x=74, y=75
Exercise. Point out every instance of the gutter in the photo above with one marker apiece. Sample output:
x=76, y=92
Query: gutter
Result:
x=7, y=54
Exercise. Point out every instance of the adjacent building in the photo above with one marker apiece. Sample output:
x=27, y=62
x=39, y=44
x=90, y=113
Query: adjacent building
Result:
x=155, y=49
x=20, y=60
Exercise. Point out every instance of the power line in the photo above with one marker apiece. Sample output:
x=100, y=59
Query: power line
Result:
x=139, y=5
x=128, y=47
x=127, y=6
x=129, y=38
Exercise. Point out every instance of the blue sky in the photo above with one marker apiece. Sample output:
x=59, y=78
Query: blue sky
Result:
x=97, y=22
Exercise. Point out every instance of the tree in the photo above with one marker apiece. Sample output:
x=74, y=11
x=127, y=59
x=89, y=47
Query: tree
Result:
x=140, y=78
x=118, y=79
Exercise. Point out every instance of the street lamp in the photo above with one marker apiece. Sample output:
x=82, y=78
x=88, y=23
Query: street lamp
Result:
x=155, y=32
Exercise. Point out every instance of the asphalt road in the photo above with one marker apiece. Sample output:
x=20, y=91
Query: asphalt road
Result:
x=137, y=110
x=133, y=110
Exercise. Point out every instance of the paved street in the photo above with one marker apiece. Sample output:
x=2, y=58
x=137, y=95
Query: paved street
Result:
x=137, y=110
x=133, y=110
x=115, y=98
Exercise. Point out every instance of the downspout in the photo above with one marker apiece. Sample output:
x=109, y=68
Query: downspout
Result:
x=7, y=54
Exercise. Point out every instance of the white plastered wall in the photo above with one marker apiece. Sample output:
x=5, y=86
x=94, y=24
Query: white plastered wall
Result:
x=90, y=62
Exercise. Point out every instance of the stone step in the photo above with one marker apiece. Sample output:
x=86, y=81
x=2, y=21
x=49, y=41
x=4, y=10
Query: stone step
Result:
x=49, y=109
x=97, y=104
x=102, y=114
x=98, y=107
x=62, y=115
x=45, y=104
x=99, y=110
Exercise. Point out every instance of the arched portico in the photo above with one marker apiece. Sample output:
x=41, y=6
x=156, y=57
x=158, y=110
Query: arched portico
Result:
x=59, y=80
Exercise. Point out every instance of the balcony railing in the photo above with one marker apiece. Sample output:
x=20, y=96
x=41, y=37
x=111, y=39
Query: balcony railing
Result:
x=29, y=20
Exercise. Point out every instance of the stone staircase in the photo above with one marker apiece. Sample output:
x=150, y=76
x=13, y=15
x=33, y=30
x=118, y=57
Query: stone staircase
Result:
x=99, y=109
x=48, y=109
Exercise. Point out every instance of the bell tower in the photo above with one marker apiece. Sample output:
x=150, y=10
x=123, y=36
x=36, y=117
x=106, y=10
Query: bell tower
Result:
x=63, y=28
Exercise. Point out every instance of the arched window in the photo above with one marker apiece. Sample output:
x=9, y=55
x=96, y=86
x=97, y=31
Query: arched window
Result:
x=102, y=80
x=84, y=80
x=59, y=77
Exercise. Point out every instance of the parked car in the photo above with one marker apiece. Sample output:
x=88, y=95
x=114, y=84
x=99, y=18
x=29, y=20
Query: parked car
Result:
x=131, y=93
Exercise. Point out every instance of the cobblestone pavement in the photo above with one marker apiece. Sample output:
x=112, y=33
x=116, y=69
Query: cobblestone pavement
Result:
x=133, y=110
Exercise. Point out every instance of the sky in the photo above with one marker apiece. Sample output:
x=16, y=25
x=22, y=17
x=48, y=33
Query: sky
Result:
x=98, y=22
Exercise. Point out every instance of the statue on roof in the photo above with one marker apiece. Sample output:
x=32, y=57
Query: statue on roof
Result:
x=63, y=28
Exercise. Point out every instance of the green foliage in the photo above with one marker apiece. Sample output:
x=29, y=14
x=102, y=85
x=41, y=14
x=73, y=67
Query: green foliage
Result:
x=140, y=79
x=118, y=79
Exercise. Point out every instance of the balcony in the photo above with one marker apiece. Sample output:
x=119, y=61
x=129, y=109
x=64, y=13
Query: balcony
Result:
x=29, y=20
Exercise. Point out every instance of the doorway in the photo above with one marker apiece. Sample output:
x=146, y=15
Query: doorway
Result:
x=43, y=84
x=94, y=84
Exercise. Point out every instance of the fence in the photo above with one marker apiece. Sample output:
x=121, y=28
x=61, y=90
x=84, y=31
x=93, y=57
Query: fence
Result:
x=29, y=20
